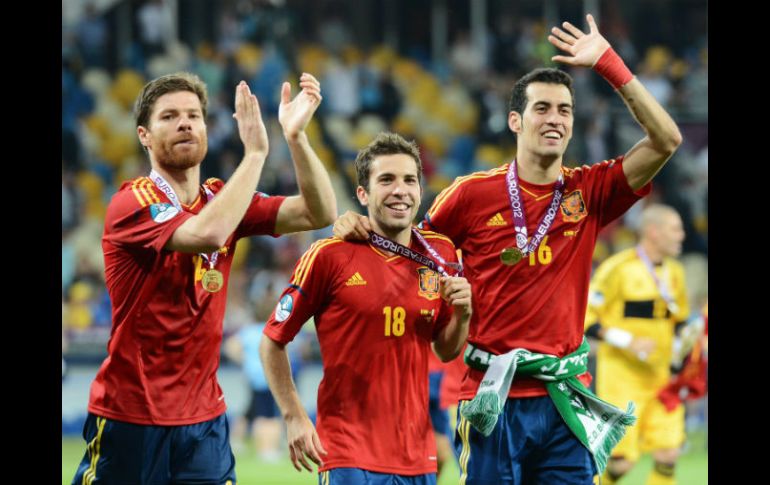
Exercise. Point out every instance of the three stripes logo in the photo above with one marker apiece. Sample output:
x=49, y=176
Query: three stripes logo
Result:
x=497, y=220
x=355, y=280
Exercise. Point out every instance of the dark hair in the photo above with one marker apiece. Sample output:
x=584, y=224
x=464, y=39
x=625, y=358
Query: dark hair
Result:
x=385, y=143
x=547, y=75
x=171, y=83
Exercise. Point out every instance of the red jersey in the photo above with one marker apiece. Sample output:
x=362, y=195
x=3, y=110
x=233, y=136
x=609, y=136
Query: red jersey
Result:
x=375, y=316
x=166, y=329
x=435, y=364
x=538, y=304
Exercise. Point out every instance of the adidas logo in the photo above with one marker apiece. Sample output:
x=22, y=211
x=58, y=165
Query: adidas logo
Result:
x=355, y=280
x=497, y=220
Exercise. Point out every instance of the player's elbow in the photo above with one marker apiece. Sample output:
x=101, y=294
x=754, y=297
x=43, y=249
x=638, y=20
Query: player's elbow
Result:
x=189, y=238
x=671, y=141
x=324, y=216
x=446, y=353
x=449, y=356
x=213, y=239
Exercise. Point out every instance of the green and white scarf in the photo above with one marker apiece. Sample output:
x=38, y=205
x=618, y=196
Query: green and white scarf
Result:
x=596, y=423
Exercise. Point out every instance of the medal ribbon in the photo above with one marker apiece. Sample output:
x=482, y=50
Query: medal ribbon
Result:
x=520, y=220
x=383, y=242
x=659, y=283
x=167, y=189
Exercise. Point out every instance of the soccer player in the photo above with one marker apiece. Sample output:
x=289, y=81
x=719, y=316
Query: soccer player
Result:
x=638, y=298
x=156, y=411
x=527, y=232
x=378, y=306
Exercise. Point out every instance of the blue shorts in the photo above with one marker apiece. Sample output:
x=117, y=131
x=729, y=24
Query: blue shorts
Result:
x=438, y=416
x=347, y=476
x=530, y=445
x=262, y=405
x=135, y=454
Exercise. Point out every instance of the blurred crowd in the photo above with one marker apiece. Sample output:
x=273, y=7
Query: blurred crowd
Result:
x=455, y=108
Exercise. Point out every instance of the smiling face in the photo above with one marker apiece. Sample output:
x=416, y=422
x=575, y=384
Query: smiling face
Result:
x=545, y=127
x=175, y=136
x=394, y=193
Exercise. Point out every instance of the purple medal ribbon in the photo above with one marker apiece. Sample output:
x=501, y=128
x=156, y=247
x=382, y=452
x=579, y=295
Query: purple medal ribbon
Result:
x=660, y=284
x=394, y=247
x=167, y=189
x=519, y=219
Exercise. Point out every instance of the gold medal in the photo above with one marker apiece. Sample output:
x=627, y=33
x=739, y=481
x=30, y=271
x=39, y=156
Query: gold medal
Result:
x=511, y=256
x=212, y=280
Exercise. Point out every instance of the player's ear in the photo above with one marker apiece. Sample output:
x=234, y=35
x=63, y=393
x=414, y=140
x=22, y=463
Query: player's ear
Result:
x=363, y=196
x=514, y=121
x=144, y=136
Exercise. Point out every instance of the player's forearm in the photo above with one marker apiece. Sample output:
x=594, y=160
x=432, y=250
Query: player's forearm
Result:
x=275, y=362
x=654, y=120
x=313, y=181
x=663, y=136
x=209, y=230
x=451, y=339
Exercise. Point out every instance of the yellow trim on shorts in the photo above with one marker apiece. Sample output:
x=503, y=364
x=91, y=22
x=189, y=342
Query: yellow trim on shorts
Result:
x=464, y=428
x=94, y=449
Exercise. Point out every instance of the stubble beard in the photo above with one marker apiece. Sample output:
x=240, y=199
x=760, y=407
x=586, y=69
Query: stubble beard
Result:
x=171, y=158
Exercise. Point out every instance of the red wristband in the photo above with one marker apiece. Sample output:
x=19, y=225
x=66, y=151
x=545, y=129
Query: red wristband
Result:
x=613, y=69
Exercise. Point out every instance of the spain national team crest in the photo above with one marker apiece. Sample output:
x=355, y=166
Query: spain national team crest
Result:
x=428, y=283
x=573, y=208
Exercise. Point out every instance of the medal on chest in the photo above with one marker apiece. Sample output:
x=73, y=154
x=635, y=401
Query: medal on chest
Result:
x=513, y=255
x=212, y=280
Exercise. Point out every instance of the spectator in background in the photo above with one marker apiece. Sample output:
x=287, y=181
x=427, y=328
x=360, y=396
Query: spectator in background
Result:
x=438, y=416
x=155, y=27
x=261, y=419
x=92, y=35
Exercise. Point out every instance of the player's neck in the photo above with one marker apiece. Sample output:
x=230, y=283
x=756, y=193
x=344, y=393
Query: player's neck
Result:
x=185, y=182
x=538, y=170
x=401, y=236
x=656, y=256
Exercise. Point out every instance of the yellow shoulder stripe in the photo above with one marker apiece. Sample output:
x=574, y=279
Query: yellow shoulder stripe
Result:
x=444, y=195
x=307, y=259
x=143, y=190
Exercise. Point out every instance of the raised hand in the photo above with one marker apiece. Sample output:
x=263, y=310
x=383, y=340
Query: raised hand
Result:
x=294, y=115
x=251, y=128
x=584, y=49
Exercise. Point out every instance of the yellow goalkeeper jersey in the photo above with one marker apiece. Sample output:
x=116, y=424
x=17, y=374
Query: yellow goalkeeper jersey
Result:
x=624, y=295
